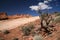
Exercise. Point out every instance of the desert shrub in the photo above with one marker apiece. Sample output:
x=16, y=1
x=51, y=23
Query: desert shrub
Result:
x=57, y=14
x=1, y=38
x=6, y=32
x=15, y=39
x=44, y=15
x=57, y=19
x=33, y=32
x=37, y=37
x=27, y=29
x=31, y=26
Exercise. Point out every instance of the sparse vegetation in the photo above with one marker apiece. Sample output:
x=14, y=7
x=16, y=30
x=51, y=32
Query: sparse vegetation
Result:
x=57, y=14
x=15, y=39
x=27, y=29
x=45, y=21
x=37, y=37
x=6, y=32
x=57, y=19
x=33, y=32
x=1, y=38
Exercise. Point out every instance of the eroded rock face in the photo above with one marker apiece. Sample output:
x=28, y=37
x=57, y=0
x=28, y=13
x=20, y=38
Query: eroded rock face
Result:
x=3, y=15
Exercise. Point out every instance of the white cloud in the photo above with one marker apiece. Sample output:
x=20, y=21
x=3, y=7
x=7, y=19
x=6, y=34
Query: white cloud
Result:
x=34, y=8
x=46, y=2
x=40, y=3
x=40, y=6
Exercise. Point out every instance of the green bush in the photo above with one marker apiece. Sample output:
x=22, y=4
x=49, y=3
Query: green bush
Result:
x=27, y=29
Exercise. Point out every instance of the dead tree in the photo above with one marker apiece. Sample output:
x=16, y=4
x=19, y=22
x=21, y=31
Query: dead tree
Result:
x=45, y=21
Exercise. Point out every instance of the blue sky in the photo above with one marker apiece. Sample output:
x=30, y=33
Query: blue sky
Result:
x=22, y=6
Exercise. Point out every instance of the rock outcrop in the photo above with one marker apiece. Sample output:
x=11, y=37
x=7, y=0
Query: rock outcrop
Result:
x=3, y=15
x=19, y=16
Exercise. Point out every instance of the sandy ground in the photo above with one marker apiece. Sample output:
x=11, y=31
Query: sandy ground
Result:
x=11, y=24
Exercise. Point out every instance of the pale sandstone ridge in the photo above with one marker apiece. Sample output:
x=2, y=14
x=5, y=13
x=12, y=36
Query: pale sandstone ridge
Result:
x=11, y=24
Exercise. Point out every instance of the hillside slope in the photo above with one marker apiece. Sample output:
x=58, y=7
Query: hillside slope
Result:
x=15, y=32
x=10, y=24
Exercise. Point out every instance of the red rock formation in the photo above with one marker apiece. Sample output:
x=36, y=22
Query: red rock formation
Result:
x=3, y=15
x=19, y=16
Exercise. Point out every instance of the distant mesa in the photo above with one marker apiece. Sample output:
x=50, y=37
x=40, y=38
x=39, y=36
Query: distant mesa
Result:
x=4, y=16
x=19, y=16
